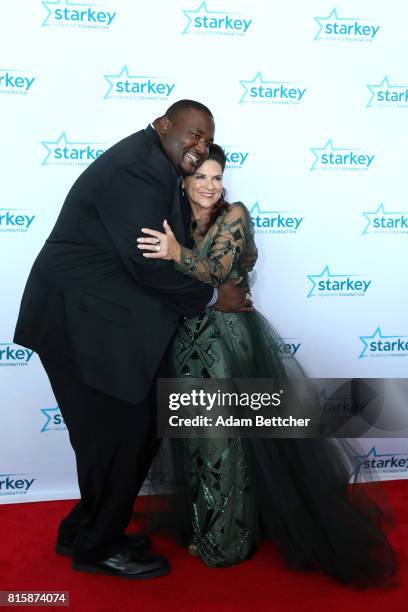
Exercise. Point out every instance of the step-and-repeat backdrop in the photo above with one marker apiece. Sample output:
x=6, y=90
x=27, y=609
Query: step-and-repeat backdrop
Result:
x=311, y=105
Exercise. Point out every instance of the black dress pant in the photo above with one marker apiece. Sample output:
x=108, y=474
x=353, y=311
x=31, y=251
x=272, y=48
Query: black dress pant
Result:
x=114, y=443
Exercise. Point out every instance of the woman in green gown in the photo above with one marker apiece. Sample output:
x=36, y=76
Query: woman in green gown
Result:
x=292, y=491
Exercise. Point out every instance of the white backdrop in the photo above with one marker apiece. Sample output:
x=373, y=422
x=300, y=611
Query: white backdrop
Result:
x=311, y=103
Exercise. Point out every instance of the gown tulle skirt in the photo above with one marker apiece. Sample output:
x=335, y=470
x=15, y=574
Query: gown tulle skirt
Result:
x=227, y=495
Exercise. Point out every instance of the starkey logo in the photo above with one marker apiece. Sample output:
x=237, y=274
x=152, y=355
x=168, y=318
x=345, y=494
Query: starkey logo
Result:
x=15, y=484
x=274, y=221
x=327, y=284
x=382, y=345
x=16, y=220
x=341, y=404
x=14, y=355
x=236, y=157
x=286, y=347
x=334, y=158
x=84, y=15
x=383, y=221
x=203, y=21
x=388, y=95
x=124, y=85
x=351, y=29
x=392, y=463
x=53, y=420
x=260, y=91
x=15, y=81
x=65, y=152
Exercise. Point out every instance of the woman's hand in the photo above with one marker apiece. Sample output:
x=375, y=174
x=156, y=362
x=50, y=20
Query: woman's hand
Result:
x=163, y=246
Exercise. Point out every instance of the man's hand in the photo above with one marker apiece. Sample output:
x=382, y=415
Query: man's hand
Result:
x=248, y=261
x=232, y=298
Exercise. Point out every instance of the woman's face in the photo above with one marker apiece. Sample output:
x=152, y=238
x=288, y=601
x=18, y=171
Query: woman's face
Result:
x=204, y=187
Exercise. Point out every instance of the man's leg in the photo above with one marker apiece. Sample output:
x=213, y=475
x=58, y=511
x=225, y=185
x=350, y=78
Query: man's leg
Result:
x=113, y=443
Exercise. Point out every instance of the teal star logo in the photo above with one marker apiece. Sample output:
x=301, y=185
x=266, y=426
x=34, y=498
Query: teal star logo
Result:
x=321, y=21
x=55, y=3
x=377, y=335
x=361, y=459
x=323, y=34
x=372, y=454
x=385, y=84
x=274, y=221
x=123, y=74
x=49, y=414
x=50, y=145
x=324, y=275
x=162, y=89
x=369, y=216
x=199, y=12
x=113, y=78
x=60, y=142
x=257, y=81
x=381, y=212
x=318, y=151
x=373, y=89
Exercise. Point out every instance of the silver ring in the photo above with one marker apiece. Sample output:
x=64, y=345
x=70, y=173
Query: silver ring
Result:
x=157, y=248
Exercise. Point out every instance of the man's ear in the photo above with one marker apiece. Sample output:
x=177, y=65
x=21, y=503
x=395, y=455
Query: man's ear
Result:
x=163, y=124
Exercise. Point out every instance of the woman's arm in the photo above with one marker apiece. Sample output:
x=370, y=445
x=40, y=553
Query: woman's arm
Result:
x=231, y=239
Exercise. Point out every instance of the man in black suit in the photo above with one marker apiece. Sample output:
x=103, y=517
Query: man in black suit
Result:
x=101, y=316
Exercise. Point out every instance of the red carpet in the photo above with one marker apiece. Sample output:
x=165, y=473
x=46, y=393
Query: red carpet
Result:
x=27, y=561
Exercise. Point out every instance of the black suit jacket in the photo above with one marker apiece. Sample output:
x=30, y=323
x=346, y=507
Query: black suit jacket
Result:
x=92, y=301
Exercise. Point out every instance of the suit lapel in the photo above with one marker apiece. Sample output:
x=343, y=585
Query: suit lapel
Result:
x=186, y=212
x=180, y=216
x=177, y=220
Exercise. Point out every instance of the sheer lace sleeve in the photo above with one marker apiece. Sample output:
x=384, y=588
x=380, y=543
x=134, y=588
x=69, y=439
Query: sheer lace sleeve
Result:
x=232, y=235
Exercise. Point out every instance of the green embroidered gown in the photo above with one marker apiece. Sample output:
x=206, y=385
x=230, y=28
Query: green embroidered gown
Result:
x=223, y=508
x=297, y=489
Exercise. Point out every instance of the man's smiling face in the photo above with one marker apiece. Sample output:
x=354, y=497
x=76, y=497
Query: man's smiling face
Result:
x=186, y=139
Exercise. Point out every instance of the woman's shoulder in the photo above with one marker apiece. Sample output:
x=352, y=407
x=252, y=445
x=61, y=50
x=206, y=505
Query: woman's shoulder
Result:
x=238, y=204
x=237, y=209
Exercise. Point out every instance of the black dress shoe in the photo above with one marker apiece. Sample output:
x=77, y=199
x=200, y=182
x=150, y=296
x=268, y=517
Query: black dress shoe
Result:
x=138, y=542
x=127, y=565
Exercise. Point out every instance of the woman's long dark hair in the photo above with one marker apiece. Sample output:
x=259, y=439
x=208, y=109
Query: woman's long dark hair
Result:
x=216, y=153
